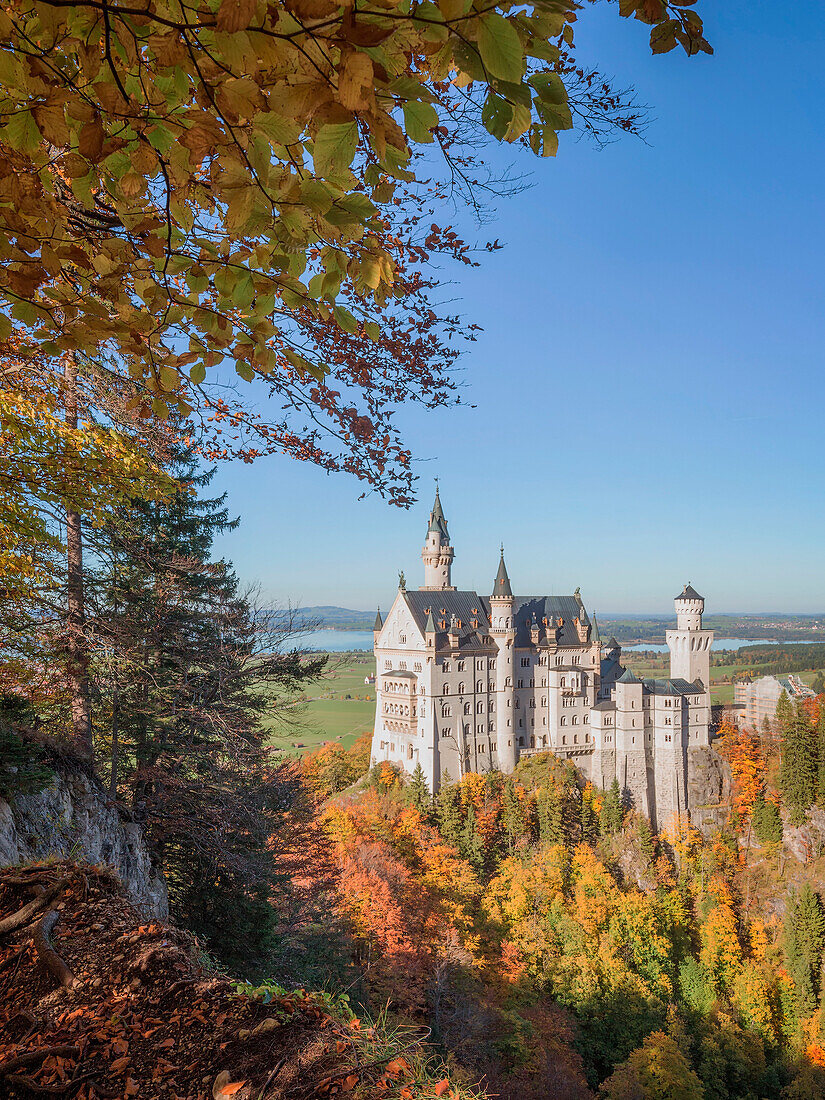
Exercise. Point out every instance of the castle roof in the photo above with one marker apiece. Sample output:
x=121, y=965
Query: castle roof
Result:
x=627, y=677
x=672, y=687
x=438, y=523
x=613, y=644
x=429, y=626
x=689, y=593
x=379, y=622
x=552, y=608
x=605, y=704
x=502, y=582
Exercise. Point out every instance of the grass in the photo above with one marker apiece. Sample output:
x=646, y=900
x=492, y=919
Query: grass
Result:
x=339, y=707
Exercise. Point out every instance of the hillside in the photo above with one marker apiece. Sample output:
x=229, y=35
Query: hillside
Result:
x=96, y=1003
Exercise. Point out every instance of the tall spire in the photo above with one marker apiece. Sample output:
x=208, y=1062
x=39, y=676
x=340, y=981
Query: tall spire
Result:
x=502, y=585
x=379, y=622
x=438, y=523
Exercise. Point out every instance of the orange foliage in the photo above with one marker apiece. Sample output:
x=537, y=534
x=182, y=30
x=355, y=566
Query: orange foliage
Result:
x=743, y=751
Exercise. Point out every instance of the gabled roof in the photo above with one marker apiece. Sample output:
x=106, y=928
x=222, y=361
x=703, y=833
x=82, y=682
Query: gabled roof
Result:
x=501, y=587
x=689, y=593
x=552, y=608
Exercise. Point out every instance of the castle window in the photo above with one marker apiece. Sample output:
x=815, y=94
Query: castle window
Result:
x=492, y=666
x=558, y=660
x=446, y=689
x=544, y=700
x=532, y=742
x=525, y=662
x=521, y=722
x=586, y=717
x=575, y=739
x=532, y=682
x=479, y=708
x=417, y=668
x=445, y=666
x=491, y=685
x=481, y=747
x=466, y=730
x=410, y=753
x=518, y=703
x=532, y=704
x=460, y=687
x=446, y=712
x=587, y=737
x=521, y=742
x=460, y=666
x=564, y=740
x=387, y=664
x=466, y=708
x=563, y=720
x=403, y=639
x=480, y=728
x=491, y=727
x=563, y=681
x=521, y=683
x=402, y=665
x=479, y=685
x=574, y=721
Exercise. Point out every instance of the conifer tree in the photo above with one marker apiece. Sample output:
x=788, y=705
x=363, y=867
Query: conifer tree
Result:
x=644, y=836
x=448, y=813
x=589, y=820
x=767, y=822
x=513, y=815
x=199, y=670
x=820, y=747
x=418, y=792
x=550, y=812
x=471, y=844
x=610, y=818
x=804, y=940
x=784, y=714
x=798, y=773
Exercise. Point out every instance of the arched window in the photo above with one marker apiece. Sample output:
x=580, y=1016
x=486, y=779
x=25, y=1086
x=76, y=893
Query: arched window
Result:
x=544, y=700
x=460, y=687
x=446, y=712
x=446, y=689
x=563, y=720
x=466, y=708
x=479, y=685
x=479, y=708
x=562, y=681
x=574, y=721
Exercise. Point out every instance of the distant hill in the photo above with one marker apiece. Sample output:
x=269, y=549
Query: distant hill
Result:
x=335, y=618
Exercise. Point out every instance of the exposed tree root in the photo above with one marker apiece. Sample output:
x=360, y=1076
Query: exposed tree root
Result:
x=24, y=915
x=33, y=1056
x=48, y=956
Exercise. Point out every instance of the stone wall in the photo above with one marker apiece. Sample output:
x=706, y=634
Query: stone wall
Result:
x=708, y=786
x=73, y=818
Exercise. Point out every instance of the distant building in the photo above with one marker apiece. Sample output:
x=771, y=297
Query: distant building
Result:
x=756, y=699
x=472, y=683
x=369, y=679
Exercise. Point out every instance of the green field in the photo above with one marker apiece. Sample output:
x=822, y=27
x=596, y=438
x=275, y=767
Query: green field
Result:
x=339, y=707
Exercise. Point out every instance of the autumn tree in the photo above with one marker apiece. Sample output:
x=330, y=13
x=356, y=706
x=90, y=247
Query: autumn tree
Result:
x=610, y=818
x=239, y=187
x=658, y=1070
x=742, y=749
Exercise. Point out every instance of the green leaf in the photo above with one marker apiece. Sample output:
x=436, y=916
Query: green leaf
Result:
x=335, y=147
x=345, y=319
x=197, y=373
x=22, y=133
x=500, y=48
x=419, y=119
x=5, y=327
x=161, y=138
x=496, y=115
x=549, y=87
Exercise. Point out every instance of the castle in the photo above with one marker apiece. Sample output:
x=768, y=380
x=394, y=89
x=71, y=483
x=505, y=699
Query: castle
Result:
x=470, y=683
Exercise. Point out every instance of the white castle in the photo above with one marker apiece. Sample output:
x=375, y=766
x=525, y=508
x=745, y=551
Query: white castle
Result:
x=470, y=683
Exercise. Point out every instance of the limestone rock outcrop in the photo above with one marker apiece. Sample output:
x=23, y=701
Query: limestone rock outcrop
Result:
x=73, y=818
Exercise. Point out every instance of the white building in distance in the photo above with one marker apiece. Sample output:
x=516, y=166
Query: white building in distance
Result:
x=470, y=683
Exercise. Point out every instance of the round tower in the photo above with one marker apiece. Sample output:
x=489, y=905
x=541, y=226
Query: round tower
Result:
x=437, y=554
x=503, y=633
x=689, y=643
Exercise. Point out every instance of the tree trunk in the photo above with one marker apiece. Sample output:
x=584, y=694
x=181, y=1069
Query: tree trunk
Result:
x=115, y=744
x=78, y=660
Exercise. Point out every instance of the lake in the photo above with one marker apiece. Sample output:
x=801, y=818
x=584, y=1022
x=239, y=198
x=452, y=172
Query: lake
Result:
x=339, y=641
x=336, y=641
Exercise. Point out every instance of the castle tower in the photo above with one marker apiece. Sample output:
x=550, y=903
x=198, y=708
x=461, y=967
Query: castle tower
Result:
x=437, y=554
x=503, y=632
x=689, y=644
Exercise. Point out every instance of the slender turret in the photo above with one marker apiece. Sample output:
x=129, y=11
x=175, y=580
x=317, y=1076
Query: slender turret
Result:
x=437, y=554
x=503, y=632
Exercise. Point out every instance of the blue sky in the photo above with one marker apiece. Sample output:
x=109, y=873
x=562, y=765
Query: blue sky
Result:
x=648, y=387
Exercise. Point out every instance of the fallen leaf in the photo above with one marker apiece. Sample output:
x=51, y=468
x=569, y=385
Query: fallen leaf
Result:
x=442, y=1087
x=232, y=1088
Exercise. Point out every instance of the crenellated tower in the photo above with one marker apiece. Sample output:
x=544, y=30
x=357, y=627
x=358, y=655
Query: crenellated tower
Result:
x=437, y=554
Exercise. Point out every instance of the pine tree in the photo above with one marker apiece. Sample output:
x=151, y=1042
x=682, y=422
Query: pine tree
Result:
x=418, y=793
x=471, y=844
x=798, y=774
x=804, y=940
x=644, y=836
x=199, y=668
x=513, y=815
x=611, y=816
x=820, y=745
x=784, y=714
x=767, y=822
x=550, y=811
x=589, y=820
x=448, y=813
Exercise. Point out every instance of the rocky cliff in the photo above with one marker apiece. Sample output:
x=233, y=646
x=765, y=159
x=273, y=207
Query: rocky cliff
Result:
x=73, y=818
x=708, y=788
